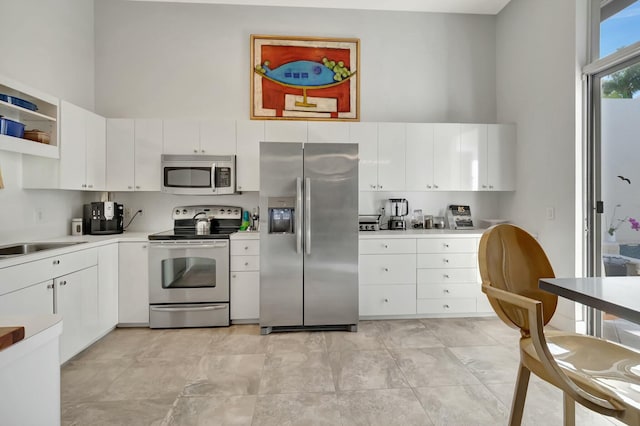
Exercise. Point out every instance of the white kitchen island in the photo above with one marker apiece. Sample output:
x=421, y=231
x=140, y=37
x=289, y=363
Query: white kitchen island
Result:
x=30, y=372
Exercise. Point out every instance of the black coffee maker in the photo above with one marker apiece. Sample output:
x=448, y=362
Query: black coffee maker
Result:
x=103, y=217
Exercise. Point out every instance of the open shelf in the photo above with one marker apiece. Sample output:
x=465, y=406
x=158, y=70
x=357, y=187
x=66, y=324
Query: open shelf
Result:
x=25, y=146
x=8, y=110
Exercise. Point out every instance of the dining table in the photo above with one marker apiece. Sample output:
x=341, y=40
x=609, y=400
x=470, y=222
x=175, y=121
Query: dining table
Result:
x=619, y=296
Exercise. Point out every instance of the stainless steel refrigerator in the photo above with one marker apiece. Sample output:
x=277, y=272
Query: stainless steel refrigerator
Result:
x=308, y=236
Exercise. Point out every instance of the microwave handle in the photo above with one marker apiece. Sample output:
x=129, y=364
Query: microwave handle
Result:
x=213, y=177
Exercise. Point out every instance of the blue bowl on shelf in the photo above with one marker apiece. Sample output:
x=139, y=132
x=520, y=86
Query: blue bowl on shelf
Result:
x=19, y=102
x=11, y=128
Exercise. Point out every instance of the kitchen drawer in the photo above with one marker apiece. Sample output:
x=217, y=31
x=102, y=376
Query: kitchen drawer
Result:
x=446, y=306
x=448, y=245
x=446, y=291
x=387, y=246
x=245, y=247
x=22, y=275
x=448, y=275
x=447, y=260
x=387, y=269
x=388, y=300
x=245, y=263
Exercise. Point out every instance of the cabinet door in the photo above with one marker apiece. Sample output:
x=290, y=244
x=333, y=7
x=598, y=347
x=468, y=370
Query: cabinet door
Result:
x=446, y=157
x=249, y=134
x=218, y=137
x=73, y=147
x=107, y=287
x=133, y=283
x=245, y=295
x=327, y=132
x=36, y=299
x=148, y=148
x=285, y=131
x=473, y=157
x=501, y=155
x=180, y=137
x=77, y=302
x=419, y=157
x=366, y=136
x=96, y=152
x=120, y=154
x=391, y=156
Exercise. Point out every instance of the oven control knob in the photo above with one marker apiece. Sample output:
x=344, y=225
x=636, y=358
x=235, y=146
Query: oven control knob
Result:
x=184, y=211
x=177, y=211
x=229, y=211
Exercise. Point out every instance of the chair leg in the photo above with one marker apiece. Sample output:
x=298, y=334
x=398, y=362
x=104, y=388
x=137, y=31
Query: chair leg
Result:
x=519, y=396
x=569, y=408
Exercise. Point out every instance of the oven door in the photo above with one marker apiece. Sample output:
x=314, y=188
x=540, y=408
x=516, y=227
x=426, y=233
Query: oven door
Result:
x=189, y=271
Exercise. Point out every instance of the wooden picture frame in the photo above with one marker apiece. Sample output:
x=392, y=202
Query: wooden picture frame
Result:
x=305, y=78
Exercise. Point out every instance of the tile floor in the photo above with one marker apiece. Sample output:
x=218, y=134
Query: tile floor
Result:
x=395, y=372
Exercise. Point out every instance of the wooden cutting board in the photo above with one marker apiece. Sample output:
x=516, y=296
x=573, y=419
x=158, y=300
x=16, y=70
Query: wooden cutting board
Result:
x=10, y=335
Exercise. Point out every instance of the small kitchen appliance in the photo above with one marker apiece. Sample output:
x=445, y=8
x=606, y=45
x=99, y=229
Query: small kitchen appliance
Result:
x=459, y=217
x=199, y=174
x=102, y=218
x=369, y=222
x=189, y=268
x=398, y=209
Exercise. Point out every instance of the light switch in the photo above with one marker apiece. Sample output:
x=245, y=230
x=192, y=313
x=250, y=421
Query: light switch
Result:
x=551, y=213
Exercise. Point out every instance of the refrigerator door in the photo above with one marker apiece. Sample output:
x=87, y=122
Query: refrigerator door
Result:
x=281, y=267
x=331, y=234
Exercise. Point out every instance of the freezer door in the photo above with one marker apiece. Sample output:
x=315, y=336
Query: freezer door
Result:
x=281, y=281
x=331, y=234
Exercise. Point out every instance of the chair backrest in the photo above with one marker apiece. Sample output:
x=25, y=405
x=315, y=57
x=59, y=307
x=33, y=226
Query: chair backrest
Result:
x=512, y=260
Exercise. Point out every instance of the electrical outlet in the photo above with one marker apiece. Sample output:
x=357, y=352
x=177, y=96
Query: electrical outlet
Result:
x=140, y=210
x=127, y=212
x=38, y=215
x=551, y=213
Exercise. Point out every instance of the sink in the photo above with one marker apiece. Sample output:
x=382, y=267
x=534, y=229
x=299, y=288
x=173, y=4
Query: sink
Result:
x=26, y=248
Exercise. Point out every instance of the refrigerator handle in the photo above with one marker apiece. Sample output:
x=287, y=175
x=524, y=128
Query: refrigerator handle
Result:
x=307, y=215
x=298, y=213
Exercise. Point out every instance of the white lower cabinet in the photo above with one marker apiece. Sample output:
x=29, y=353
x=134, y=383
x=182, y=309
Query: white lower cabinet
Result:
x=245, y=280
x=37, y=299
x=394, y=299
x=133, y=283
x=107, y=287
x=77, y=302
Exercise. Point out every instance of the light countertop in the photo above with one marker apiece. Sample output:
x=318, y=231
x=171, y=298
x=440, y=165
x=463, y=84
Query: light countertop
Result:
x=422, y=233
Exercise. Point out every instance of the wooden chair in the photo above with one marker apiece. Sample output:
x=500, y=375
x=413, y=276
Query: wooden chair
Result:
x=601, y=375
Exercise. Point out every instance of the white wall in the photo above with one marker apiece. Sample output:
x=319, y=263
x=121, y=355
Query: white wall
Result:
x=47, y=45
x=537, y=72
x=192, y=60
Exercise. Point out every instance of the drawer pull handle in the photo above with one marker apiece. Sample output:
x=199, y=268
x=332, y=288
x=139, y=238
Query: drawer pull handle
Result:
x=49, y=285
x=63, y=283
x=233, y=276
x=246, y=263
x=386, y=269
x=446, y=245
x=446, y=275
x=386, y=300
x=445, y=291
x=246, y=247
x=445, y=260
x=56, y=262
x=386, y=246
x=445, y=306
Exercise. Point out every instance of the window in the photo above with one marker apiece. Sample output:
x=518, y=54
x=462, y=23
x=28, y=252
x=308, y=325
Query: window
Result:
x=619, y=25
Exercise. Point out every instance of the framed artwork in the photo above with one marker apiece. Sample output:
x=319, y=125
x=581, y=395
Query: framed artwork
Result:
x=305, y=78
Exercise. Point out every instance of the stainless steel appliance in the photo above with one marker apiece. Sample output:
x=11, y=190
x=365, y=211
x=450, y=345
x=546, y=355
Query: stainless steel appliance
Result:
x=398, y=209
x=308, y=236
x=189, y=271
x=199, y=174
x=102, y=218
x=369, y=222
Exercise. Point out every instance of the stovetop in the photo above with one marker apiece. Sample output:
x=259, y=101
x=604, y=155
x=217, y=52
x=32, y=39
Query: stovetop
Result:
x=225, y=220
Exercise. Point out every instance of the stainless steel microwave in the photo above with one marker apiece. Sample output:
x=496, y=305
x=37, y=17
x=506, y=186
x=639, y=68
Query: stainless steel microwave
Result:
x=199, y=174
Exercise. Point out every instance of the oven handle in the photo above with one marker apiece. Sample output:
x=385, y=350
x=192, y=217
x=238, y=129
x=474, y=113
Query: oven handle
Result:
x=220, y=245
x=188, y=309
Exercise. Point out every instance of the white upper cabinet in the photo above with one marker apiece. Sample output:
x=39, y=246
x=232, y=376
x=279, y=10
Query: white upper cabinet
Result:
x=181, y=137
x=391, y=156
x=473, y=157
x=328, y=132
x=249, y=134
x=133, y=154
x=285, y=131
x=148, y=148
x=446, y=156
x=366, y=136
x=501, y=157
x=218, y=137
x=419, y=157
x=82, y=149
x=120, y=154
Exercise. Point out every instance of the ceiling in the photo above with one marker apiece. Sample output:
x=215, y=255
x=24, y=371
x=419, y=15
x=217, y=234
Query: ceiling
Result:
x=483, y=7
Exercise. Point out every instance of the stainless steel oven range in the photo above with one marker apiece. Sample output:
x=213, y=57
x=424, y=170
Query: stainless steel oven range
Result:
x=189, y=269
